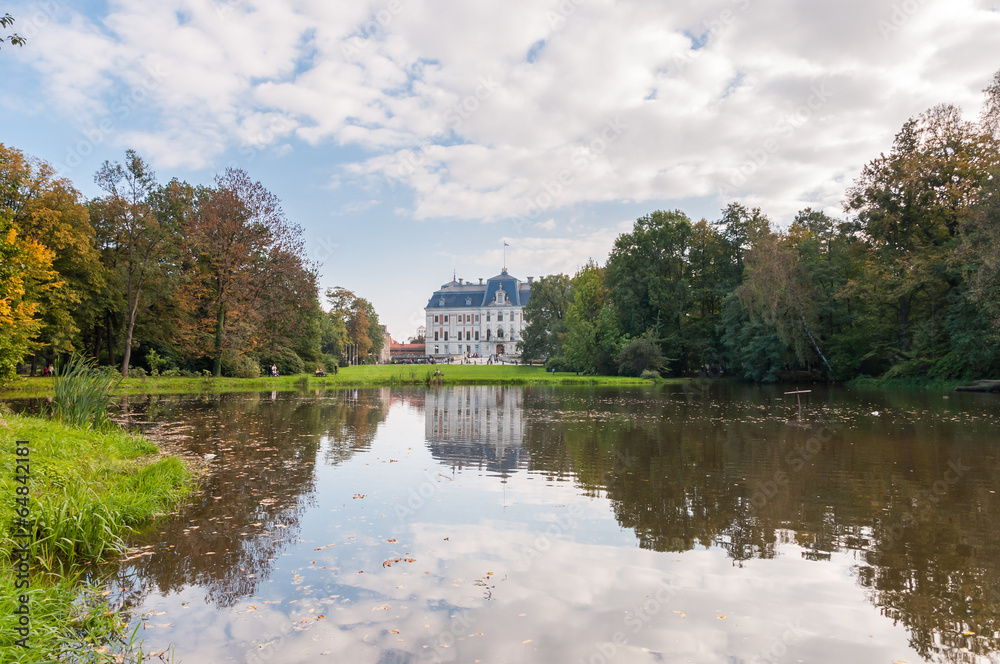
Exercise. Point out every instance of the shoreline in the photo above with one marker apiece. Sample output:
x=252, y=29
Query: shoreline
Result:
x=379, y=375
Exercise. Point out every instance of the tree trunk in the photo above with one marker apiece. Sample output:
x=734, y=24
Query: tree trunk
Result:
x=97, y=342
x=904, y=316
x=220, y=324
x=110, y=336
x=128, y=341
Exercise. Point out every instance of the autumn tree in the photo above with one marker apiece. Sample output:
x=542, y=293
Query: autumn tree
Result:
x=48, y=210
x=134, y=237
x=25, y=276
x=243, y=242
x=357, y=321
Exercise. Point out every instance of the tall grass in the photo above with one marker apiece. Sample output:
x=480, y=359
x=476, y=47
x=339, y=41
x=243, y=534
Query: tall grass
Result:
x=83, y=393
x=88, y=490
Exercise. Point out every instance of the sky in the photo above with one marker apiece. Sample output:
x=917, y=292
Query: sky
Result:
x=411, y=139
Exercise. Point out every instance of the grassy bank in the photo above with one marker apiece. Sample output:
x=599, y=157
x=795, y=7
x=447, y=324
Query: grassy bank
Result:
x=87, y=490
x=379, y=375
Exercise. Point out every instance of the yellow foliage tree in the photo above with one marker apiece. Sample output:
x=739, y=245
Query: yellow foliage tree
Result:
x=25, y=276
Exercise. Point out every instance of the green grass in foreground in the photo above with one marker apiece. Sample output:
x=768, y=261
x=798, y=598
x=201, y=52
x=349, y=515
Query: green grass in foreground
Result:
x=377, y=375
x=88, y=490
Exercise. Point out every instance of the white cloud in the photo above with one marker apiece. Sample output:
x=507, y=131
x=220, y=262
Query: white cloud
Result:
x=710, y=98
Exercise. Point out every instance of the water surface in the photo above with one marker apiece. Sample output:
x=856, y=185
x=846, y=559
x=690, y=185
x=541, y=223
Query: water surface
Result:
x=713, y=523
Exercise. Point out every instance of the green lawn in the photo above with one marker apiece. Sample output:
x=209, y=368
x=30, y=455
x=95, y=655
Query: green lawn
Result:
x=360, y=376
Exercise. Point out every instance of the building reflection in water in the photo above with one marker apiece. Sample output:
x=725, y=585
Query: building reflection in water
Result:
x=478, y=427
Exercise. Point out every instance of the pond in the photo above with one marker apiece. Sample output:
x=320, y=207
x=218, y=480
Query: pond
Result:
x=712, y=522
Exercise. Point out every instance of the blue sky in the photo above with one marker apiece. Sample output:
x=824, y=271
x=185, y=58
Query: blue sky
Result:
x=412, y=138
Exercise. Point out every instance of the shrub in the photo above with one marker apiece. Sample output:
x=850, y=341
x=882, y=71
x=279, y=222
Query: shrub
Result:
x=559, y=363
x=155, y=362
x=639, y=355
x=649, y=374
x=239, y=366
x=285, y=359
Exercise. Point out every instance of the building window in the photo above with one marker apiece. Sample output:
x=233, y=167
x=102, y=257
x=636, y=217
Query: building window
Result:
x=436, y=351
x=477, y=318
x=468, y=301
x=488, y=334
x=446, y=319
x=487, y=317
x=500, y=316
x=477, y=335
x=468, y=318
x=446, y=335
x=499, y=333
x=435, y=338
x=436, y=319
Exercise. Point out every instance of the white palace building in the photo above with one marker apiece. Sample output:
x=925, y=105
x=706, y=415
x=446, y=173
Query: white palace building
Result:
x=466, y=319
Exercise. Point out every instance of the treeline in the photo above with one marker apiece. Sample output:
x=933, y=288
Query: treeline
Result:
x=907, y=284
x=172, y=277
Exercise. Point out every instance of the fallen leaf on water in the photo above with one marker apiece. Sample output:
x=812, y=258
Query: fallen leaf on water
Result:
x=381, y=608
x=720, y=616
x=394, y=631
x=526, y=641
x=682, y=614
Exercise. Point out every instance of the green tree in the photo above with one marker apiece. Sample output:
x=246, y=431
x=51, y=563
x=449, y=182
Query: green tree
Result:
x=135, y=236
x=593, y=333
x=545, y=313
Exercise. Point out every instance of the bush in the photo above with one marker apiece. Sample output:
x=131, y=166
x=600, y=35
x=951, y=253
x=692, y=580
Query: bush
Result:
x=285, y=359
x=639, y=355
x=649, y=374
x=239, y=366
x=559, y=363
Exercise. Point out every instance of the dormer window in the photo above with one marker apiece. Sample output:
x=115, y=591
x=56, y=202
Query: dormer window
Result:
x=468, y=301
x=441, y=302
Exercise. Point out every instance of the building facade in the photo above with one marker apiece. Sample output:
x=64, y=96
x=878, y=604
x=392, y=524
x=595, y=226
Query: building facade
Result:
x=467, y=319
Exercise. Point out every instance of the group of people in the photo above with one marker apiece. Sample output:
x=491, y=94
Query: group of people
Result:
x=273, y=371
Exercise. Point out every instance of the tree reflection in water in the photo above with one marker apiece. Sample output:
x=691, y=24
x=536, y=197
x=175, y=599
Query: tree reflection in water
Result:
x=732, y=469
x=248, y=506
x=728, y=471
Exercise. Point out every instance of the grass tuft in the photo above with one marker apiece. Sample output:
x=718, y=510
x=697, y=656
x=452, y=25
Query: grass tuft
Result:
x=82, y=393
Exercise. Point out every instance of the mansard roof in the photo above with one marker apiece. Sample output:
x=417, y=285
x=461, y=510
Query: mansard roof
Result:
x=458, y=295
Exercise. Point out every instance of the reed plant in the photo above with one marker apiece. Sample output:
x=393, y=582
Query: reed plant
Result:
x=83, y=392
